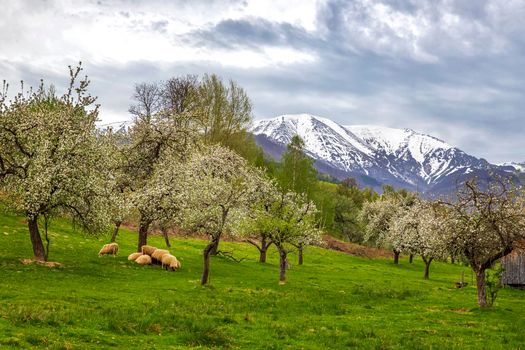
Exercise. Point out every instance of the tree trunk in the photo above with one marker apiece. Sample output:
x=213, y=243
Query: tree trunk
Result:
x=427, y=267
x=206, y=255
x=36, y=240
x=411, y=258
x=143, y=234
x=215, y=248
x=115, y=231
x=452, y=259
x=166, y=238
x=282, y=266
x=300, y=255
x=396, y=257
x=263, y=250
x=482, y=288
x=262, y=254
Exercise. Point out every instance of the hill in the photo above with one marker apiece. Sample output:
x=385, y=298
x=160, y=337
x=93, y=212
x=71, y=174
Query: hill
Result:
x=375, y=155
x=334, y=301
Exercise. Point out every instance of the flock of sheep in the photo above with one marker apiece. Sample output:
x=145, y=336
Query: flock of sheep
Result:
x=148, y=255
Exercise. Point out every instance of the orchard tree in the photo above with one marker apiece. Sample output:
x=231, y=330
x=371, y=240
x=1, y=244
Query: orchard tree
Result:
x=173, y=116
x=484, y=223
x=254, y=234
x=163, y=128
x=288, y=220
x=380, y=215
x=159, y=200
x=52, y=159
x=219, y=186
x=421, y=230
x=121, y=205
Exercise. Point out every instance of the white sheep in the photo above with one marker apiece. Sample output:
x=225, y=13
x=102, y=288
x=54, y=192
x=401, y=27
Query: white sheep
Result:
x=170, y=261
x=134, y=256
x=111, y=248
x=147, y=249
x=143, y=260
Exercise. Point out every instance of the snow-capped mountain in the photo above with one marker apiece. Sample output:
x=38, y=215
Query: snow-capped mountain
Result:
x=374, y=155
x=519, y=167
x=122, y=126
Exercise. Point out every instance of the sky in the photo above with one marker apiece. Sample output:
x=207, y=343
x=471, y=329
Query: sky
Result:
x=451, y=69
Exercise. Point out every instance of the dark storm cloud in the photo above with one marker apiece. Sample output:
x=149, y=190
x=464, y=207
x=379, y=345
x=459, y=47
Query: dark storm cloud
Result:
x=250, y=33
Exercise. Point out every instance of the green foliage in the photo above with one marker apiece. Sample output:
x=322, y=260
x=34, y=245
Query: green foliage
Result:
x=334, y=301
x=297, y=173
x=349, y=200
x=227, y=111
x=494, y=285
x=323, y=197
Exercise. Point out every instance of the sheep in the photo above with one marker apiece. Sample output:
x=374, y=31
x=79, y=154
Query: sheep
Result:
x=134, y=256
x=147, y=249
x=111, y=248
x=143, y=260
x=170, y=261
x=157, y=255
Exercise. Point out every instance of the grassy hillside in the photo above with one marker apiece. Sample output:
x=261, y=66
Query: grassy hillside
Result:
x=333, y=301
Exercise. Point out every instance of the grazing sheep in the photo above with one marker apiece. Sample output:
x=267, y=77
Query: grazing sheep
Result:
x=143, y=260
x=158, y=254
x=147, y=249
x=134, y=256
x=111, y=248
x=170, y=261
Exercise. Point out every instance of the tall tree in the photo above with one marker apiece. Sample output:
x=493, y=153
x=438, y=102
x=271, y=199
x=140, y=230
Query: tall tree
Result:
x=349, y=201
x=51, y=158
x=227, y=111
x=297, y=173
x=164, y=127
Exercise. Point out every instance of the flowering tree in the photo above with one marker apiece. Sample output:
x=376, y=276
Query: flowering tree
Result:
x=256, y=235
x=121, y=204
x=484, y=222
x=159, y=199
x=163, y=129
x=219, y=186
x=421, y=230
x=287, y=220
x=380, y=215
x=51, y=158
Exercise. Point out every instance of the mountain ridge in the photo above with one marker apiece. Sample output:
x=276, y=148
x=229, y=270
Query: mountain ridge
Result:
x=375, y=155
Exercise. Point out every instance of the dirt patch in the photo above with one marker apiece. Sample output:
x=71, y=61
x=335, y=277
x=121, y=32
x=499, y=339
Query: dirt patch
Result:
x=42, y=263
x=355, y=249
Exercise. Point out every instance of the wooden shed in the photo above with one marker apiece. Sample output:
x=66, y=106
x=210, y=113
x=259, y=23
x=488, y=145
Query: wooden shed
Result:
x=513, y=266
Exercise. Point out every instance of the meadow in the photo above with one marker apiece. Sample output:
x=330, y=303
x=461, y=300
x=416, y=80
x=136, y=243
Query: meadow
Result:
x=334, y=300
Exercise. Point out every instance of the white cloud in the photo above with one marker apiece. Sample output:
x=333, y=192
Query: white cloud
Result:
x=118, y=33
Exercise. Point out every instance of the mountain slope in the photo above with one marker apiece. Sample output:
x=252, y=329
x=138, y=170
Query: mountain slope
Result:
x=374, y=155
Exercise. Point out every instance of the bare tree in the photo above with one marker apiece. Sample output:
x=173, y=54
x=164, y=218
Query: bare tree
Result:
x=484, y=222
x=147, y=99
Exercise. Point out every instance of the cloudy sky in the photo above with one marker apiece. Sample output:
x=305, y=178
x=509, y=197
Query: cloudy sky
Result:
x=452, y=69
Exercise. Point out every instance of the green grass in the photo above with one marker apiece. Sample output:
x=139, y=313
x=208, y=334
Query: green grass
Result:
x=333, y=301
